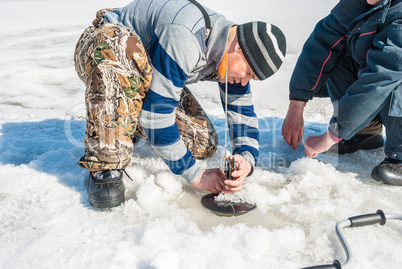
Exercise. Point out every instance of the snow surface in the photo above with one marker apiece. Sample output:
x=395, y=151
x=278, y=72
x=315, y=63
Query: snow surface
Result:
x=45, y=217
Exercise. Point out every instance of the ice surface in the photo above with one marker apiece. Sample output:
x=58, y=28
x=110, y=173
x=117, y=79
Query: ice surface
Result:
x=45, y=217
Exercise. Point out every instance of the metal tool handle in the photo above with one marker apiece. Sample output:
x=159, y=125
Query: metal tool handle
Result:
x=368, y=219
x=357, y=221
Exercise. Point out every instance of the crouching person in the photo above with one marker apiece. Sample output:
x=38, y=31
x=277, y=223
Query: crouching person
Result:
x=355, y=55
x=136, y=61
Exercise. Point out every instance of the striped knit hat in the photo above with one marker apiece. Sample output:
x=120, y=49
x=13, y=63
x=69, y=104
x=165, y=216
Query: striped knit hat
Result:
x=263, y=46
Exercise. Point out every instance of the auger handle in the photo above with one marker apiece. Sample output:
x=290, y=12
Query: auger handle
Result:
x=368, y=219
x=357, y=221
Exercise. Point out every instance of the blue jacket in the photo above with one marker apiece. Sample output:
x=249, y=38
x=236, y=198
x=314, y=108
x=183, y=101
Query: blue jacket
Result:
x=173, y=33
x=372, y=35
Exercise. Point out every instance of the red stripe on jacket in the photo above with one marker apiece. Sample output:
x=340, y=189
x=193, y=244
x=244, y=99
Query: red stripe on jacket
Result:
x=329, y=56
x=368, y=33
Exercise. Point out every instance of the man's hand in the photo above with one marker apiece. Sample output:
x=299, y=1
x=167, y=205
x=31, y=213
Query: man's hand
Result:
x=210, y=180
x=318, y=144
x=293, y=125
x=243, y=168
x=215, y=181
x=373, y=2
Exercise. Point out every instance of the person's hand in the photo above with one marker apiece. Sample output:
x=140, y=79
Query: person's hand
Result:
x=210, y=180
x=243, y=168
x=293, y=125
x=318, y=144
x=373, y=2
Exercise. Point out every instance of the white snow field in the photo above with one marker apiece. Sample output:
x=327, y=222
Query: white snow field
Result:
x=45, y=217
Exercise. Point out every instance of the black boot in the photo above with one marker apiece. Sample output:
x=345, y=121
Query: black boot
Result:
x=369, y=137
x=358, y=142
x=106, y=188
x=388, y=171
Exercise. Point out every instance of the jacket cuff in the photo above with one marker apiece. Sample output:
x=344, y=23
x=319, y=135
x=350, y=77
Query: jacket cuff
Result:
x=301, y=95
x=249, y=157
x=190, y=174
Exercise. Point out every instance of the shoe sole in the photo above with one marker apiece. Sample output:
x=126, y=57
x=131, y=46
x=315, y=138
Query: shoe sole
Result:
x=386, y=179
x=106, y=203
x=387, y=182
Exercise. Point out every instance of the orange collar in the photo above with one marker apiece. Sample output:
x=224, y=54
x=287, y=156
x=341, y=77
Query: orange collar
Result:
x=223, y=66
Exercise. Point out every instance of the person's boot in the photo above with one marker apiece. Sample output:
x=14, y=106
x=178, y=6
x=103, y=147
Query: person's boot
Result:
x=388, y=171
x=358, y=142
x=106, y=188
x=368, y=138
